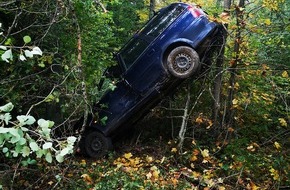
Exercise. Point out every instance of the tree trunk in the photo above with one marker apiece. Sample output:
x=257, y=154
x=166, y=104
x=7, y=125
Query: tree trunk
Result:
x=230, y=112
x=218, y=82
x=152, y=8
x=184, y=120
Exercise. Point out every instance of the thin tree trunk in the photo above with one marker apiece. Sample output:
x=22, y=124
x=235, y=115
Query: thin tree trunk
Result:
x=218, y=83
x=184, y=120
x=152, y=8
x=230, y=112
x=80, y=69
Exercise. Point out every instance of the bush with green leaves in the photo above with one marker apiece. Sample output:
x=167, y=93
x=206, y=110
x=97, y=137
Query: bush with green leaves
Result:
x=31, y=139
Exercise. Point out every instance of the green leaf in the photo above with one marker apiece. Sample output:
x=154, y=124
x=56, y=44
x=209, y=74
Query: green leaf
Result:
x=47, y=145
x=43, y=123
x=25, y=119
x=104, y=120
x=42, y=65
x=26, y=39
x=6, y=118
x=22, y=141
x=48, y=157
x=15, y=135
x=59, y=158
x=28, y=53
x=25, y=151
x=3, y=47
x=22, y=57
x=34, y=146
x=31, y=161
x=64, y=151
x=24, y=129
x=36, y=51
x=71, y=140
x=7, y=107
x=5, y=149
x=4, y=130
x=40, y=153
x=7, y=55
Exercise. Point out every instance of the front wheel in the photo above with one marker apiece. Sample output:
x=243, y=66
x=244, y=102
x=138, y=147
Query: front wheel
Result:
x=182, y=62
x=96, y=144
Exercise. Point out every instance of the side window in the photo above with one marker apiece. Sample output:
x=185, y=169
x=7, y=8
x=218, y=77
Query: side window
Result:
x=133, y=50
x=161, y=21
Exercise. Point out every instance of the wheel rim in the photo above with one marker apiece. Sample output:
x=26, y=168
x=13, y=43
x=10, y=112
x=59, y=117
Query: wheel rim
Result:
x=182, y=63
x=97, y=145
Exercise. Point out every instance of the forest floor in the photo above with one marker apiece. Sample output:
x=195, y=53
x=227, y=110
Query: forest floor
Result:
x=148, y=158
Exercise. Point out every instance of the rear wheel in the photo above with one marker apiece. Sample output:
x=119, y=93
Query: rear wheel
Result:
x=183, y=62
x=96, y=144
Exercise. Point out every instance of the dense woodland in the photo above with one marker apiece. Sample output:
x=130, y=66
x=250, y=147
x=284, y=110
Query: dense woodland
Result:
x=227, y=129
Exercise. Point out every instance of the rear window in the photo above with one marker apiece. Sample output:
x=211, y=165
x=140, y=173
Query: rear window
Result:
x=161, y=21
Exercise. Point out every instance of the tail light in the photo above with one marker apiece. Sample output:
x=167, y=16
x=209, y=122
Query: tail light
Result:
x=195, y=12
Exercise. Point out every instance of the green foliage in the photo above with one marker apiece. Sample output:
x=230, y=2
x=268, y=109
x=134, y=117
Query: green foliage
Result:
x=22, y=139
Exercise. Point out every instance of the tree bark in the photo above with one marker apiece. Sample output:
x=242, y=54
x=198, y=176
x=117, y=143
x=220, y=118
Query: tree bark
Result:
x=217, y=123
x=152, y=8
x=230, y=112
x=184, y=120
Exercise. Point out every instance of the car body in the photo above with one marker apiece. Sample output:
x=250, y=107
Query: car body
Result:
x=162, y=54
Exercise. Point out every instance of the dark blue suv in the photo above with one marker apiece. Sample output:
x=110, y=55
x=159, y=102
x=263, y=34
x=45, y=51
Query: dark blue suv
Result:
x=162, y=54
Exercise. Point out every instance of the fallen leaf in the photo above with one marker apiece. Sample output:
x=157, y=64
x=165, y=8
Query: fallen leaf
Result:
x=87, y=179
x=205, y=153
x=285, y=74
x=283, y=122
x=174, y=150
x=128, y=155
x=277, y=145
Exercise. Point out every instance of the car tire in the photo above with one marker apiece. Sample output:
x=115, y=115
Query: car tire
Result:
x=96, y=145
x=182, y=62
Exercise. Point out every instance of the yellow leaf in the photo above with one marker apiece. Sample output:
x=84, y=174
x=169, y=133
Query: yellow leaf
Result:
x=222, y=188
x=205, y=153
x=193, y=158
x=83, y=162
x=174, y=181
x=50, y=183
x=251, y=148
x=174, y=150
x=267, y=21
x=285, y=74
x=155, y=174
x=283, y=122
x=196, y=175
x=128, y=155
x=237, y=85
x=277, y=145
x=253, y=186
x=235, y=101
x=149, y=175
x=274, y=173
x=87, y=178
x=149, y=159
x=199, y=120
